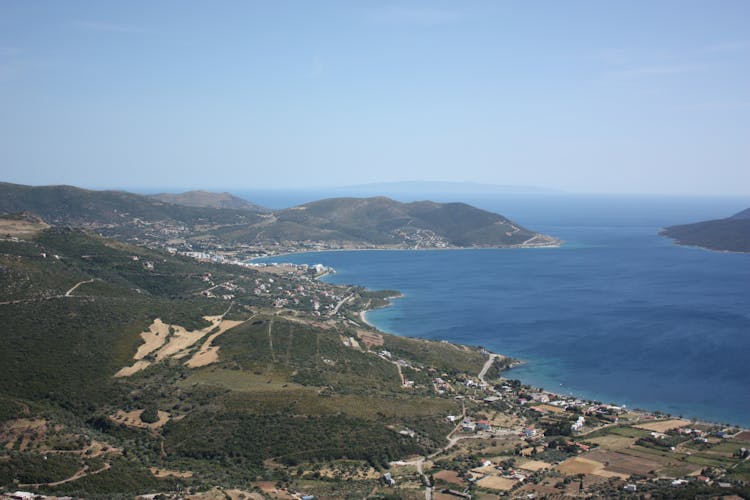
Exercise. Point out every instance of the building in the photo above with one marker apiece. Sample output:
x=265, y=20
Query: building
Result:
x=483, y=425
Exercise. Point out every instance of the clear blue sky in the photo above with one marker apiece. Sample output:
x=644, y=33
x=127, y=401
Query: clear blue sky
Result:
x=592, y=96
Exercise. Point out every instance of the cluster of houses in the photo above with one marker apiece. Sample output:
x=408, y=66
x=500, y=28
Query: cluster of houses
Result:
x=297, y=294
x=470, y=425
x=578, y=424
x=489, y=468
x=441, y=386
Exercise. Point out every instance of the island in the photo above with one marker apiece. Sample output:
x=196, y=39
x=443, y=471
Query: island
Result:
x=731, y=234
x=132, y=368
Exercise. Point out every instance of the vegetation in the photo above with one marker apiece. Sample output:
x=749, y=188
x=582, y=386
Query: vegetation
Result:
x=208, y=200
x=731, y=234
x=285, y=389
x=293, y=389
x=365, y=222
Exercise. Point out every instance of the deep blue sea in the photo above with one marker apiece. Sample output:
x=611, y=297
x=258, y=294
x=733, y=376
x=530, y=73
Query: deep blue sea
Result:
x=618, y=314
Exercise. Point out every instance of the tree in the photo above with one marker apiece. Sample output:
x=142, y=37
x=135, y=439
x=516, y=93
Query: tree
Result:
x=150, y=415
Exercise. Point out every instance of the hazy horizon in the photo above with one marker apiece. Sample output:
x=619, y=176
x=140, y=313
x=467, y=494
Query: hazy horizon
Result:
x=405, y=190
x=581, y=97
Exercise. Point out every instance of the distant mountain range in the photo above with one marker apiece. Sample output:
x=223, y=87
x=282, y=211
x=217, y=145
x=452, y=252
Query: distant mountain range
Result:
x=376, y=222
x=731, y=234
x=407, y=187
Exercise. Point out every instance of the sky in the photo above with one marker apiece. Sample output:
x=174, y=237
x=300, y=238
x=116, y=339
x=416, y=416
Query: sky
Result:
x=583, y=96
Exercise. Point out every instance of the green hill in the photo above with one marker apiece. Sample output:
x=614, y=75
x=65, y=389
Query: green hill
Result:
x=377, y=222
x=731, y=234
x=383, y=222
x=207, y=199
x=287, y=387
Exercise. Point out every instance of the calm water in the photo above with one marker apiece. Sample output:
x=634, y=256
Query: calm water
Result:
x=617, y=314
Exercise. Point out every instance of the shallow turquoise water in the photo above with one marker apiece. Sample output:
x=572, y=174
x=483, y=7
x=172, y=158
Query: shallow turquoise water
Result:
x=617, y=314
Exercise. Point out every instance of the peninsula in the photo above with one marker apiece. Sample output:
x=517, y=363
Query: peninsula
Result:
x=731, y=234
x=202, y=222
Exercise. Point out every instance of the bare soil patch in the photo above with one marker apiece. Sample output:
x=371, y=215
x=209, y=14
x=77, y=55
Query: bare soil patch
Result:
x=623, y=463
x=496, y=483
x=663, y=425
x=153, y=339
x=173, y=341
x=269, y=488
x=26, y=429
x=614, y=442
x=580, y=465
x=221, y=494
x=370, y=339
x=450, y=476
x=162, y=473
x=132, y=369
x=535, y=465
x=209, y=353
x=21, y=228
x=550, y=408
x=133, y=419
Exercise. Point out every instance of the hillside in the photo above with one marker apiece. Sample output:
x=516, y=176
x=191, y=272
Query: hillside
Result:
x=207, y=199
x=102, y=339
x=115, y=213
x=128, y=370
x=335, y=223
x=381, y=222
x=731, y=234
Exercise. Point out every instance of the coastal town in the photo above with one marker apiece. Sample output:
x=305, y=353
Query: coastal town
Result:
x=474, y=430
x=510, y=439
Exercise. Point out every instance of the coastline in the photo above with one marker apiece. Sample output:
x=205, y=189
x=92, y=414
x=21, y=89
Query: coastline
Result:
x=559, y=243
x=655, y=413
x=664, y=233
x=363, y=313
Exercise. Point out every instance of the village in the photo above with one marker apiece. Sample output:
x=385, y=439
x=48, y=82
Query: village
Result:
x=501, y=437
x=512, y=439
x=519, y=442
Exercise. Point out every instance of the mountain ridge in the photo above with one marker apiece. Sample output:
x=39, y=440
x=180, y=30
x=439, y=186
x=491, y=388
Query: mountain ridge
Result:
x=333, y=223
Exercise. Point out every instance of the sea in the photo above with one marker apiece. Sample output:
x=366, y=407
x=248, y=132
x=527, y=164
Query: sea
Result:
x=616, y=314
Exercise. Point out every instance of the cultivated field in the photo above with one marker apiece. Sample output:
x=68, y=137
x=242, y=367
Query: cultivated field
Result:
x=496, y=483
x=535, y=465
x=664, y=425
x=580, y=465
x=450, y=476
x=623, y=463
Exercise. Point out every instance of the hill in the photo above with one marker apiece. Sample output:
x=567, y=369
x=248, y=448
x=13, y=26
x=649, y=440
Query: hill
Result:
x=376, y=222
x=207, y=199
x=115, y=213
x=381, y=222
x=731, y=234
x=129, y=370
x=125, y=360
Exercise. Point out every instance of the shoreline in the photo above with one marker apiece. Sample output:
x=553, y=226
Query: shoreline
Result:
x=519, y=362
x=560, y=244
x=663, y=232
x=363, y=313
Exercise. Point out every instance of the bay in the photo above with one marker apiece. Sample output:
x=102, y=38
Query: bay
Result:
x=617, y=314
